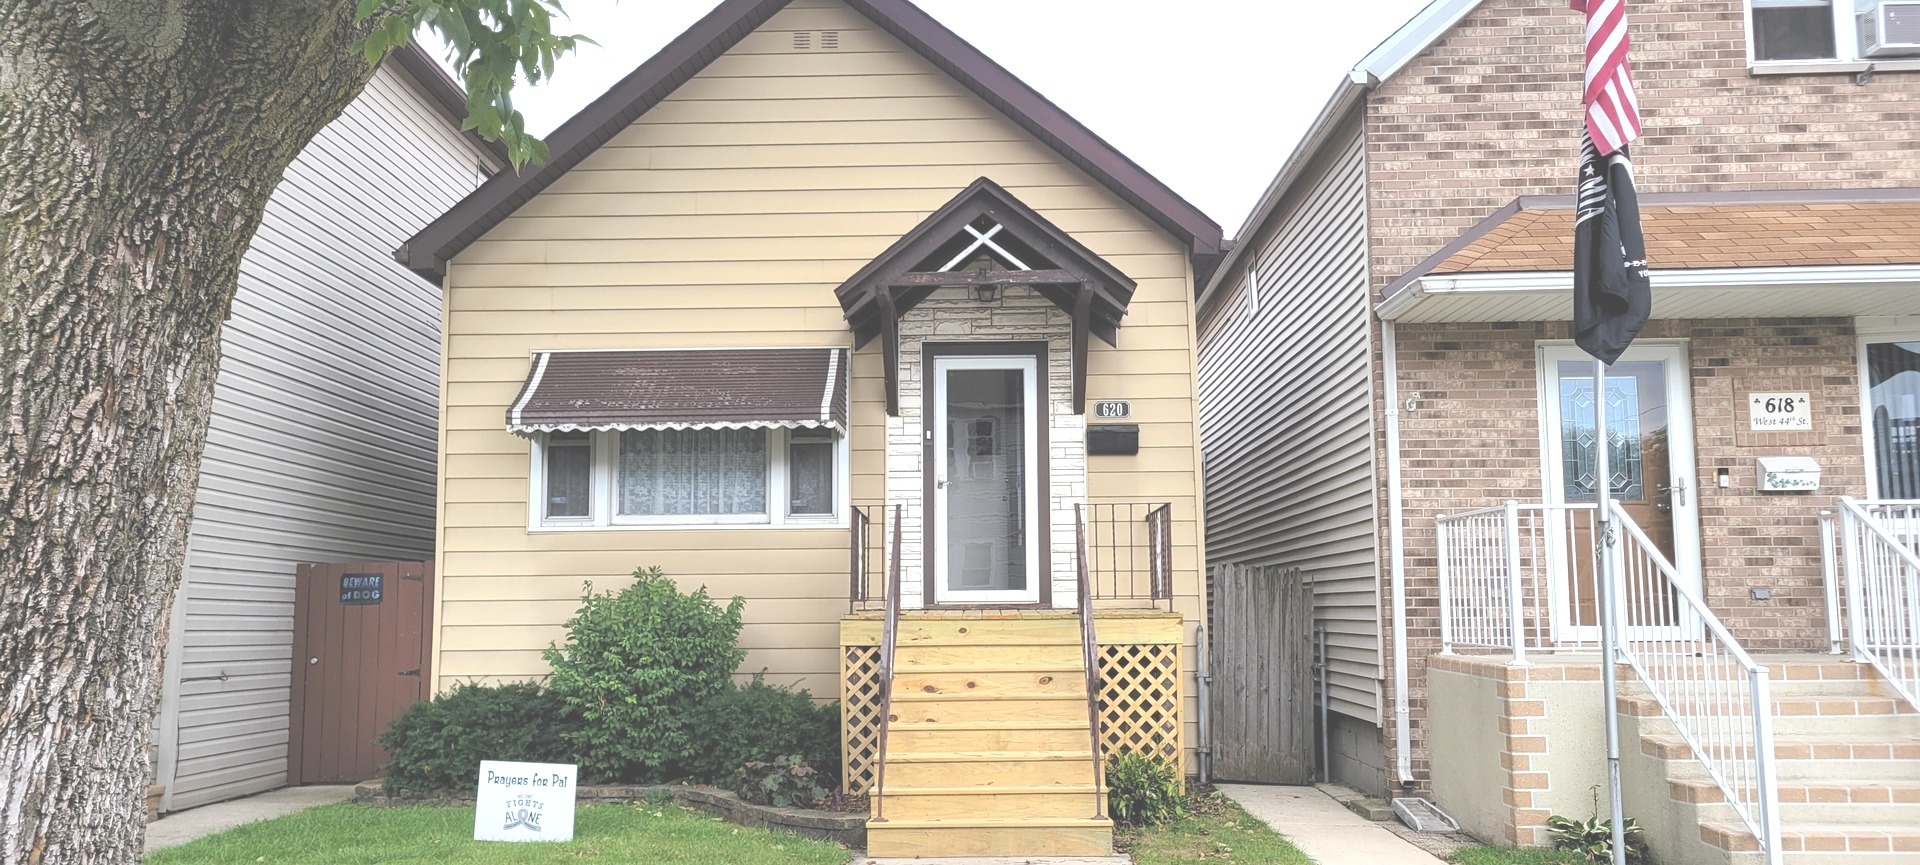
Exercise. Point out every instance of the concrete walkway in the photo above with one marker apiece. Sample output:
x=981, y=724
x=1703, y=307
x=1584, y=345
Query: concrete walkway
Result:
x=1324, y=829
x=183, y=826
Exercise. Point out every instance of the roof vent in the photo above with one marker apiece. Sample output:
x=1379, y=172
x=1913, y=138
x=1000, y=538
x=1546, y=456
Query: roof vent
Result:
x=802, y=41
x=830, y=40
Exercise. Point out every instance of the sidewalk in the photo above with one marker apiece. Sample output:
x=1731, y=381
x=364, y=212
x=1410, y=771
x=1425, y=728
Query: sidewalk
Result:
x=194, y=823
x=1324, y=829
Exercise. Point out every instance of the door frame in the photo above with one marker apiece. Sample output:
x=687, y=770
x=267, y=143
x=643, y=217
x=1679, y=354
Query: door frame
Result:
x=1868, y=330
x=1039, y=483
x=1683, y=462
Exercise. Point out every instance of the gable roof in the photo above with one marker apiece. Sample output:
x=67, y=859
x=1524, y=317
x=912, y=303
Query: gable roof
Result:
x=427, y=252
x=442, y=89
x=1411, y=40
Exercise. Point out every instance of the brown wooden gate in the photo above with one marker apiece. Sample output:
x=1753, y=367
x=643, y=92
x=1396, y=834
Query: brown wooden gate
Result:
x=361, y=638
x=1261, y=699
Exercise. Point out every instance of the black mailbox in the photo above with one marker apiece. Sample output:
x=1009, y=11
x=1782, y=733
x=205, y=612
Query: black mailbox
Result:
x=1121, y=439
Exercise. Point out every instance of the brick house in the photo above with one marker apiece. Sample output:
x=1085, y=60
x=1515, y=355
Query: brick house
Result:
x=1385, y=364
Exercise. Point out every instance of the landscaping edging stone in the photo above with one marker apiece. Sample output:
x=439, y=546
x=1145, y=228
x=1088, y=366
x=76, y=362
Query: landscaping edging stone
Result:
x=850, y=830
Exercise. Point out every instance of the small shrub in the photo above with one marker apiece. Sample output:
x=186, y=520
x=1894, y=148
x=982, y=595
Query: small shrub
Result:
x=438, y=745
x=1145, y=791
x=784, y=782
x=637, y=666
x=1592, y=839
x=757, y=722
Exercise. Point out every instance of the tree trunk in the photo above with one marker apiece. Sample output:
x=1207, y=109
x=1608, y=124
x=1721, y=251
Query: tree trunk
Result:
x=139, y=142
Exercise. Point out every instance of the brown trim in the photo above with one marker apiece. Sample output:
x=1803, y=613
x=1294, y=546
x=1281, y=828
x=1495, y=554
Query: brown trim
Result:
x=929, y=596
x=427, y=252
x=297, y=695
x=451, y=97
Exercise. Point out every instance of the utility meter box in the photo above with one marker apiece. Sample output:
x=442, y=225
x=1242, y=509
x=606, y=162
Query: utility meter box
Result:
x=1787, y=474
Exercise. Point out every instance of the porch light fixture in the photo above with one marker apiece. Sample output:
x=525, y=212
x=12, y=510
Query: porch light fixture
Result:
x=985, y=292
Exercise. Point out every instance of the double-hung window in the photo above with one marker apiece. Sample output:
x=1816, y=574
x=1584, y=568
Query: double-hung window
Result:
x=689, y=477
x=1790, y=35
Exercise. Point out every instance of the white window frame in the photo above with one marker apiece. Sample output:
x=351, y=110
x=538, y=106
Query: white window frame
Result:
x=1846, y=49
x=1870, y=330
x=602, y=509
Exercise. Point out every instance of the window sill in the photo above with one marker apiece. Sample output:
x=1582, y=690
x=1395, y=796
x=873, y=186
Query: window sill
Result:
x=1832, y=67
x=809, y=525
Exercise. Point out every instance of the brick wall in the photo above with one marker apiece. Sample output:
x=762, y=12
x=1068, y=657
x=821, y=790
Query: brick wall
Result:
x=1472, y=439
x=1490, y=112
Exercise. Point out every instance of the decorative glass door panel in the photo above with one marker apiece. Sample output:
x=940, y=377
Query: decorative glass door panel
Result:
x=986, y=490
x=1650, y=467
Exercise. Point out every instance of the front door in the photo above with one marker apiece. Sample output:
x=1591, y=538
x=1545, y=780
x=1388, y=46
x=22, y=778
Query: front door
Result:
x=986, y=419
x=1650, y=454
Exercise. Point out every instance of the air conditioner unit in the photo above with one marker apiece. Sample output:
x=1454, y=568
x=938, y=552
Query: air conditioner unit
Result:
x=1890, y=28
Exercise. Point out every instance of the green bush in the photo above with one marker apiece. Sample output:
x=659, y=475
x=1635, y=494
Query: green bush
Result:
x=784, y=782
x=637, y=667
x=1592, y=839
x=1145, y=791
x=758, y=722
x=438, y=745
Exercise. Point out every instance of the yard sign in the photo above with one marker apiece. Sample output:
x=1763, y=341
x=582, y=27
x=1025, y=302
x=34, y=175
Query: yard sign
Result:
x=524, y=801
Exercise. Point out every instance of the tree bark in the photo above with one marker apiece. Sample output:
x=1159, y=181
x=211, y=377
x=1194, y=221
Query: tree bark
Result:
x=139, y=142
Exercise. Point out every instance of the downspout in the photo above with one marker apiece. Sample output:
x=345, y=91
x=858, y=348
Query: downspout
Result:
x=1397, y=558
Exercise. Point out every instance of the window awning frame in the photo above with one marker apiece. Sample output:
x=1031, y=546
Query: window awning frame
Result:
x=682, y=389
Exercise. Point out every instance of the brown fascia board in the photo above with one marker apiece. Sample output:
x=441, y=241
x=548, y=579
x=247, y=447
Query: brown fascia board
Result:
x=1734, y=198
x=427, y=252
x=442, y=89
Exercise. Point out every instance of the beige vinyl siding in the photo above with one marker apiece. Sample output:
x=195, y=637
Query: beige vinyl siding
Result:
x=725, y=217
x=321, y=444
x=1286, y=418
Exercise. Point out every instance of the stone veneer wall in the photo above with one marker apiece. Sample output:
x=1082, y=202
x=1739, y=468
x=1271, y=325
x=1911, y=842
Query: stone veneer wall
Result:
x=953, y=315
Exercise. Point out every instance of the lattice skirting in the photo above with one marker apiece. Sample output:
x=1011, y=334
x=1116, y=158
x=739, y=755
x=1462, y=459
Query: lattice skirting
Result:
x=1139, y=705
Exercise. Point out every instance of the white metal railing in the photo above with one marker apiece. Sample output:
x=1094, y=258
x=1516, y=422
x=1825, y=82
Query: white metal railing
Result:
x=1503, y=572
x=1521, y=577
x=1880, y=553
x=1707, y=685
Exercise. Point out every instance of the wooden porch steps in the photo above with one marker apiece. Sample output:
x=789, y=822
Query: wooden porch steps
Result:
x=989, y=751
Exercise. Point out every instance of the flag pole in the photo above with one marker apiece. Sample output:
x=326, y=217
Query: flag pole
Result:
x=1603, y=550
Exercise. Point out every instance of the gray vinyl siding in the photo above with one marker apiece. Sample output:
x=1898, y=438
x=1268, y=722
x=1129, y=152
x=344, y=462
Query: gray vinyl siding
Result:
x=322, y=443
x=1286, y=420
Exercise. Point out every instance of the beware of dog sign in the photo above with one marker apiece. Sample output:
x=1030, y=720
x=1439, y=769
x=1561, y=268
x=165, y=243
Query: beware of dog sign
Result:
x=524, y=801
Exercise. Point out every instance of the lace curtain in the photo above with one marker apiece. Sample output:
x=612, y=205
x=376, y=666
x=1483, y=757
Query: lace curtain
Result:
x=692, y=472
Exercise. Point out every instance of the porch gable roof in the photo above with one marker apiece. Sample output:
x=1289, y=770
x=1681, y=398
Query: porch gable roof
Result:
x=428, y=251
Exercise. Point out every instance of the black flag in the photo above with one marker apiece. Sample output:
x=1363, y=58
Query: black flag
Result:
x=1611, y=295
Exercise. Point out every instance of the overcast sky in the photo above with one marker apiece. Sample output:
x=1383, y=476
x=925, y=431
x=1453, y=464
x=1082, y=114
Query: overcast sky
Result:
x=1209, y=95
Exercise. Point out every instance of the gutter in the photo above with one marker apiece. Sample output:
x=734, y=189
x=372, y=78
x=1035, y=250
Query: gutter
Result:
x=1397, y=556
x=1400, y=302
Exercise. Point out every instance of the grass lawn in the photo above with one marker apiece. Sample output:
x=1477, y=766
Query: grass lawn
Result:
x=1219, y=830
x=1514, y=856
x=360, y=835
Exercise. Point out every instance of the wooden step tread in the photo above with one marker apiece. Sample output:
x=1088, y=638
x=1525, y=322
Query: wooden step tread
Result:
x=984, y=726
x=995, y=823
x=962, y=696
x=1061, y=789
x=991, y=757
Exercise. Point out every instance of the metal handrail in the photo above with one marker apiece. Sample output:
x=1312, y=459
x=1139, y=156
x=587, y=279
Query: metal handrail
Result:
x=1682, y=653
x=1090, y=654
x=1883, y=592
x=889, y=633
x=1500, y=574
x=1130, y=551
x=857, y=560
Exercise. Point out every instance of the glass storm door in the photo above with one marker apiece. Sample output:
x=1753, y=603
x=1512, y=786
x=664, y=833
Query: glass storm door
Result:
x=985, y=480
x=1650, y=458
x=1893, y=417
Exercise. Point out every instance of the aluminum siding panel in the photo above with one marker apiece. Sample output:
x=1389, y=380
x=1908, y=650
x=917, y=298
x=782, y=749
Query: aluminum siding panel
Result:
x=1285, y=417
x=321, y=446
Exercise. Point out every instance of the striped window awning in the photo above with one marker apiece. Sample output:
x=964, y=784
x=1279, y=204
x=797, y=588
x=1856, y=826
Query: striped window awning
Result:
x=717, y=388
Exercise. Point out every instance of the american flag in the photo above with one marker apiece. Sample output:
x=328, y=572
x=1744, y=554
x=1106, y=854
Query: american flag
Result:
x=1613, y=113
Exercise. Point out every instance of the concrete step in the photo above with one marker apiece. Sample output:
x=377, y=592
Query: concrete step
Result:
x=1808, y=758
x=1815, y=804
x=1820, y=839
x=1006, y=837
x=910, y=738
x=960, y=803
x=991, y=769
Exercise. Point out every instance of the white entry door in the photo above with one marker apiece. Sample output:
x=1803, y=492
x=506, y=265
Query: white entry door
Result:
x=986, y=485
x=1651, y=460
